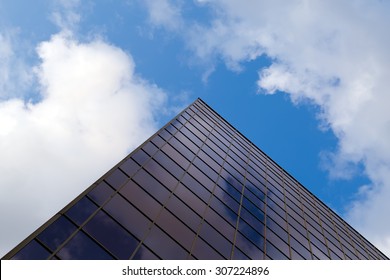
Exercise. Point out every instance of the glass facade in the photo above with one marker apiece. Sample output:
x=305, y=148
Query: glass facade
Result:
x=197, y=189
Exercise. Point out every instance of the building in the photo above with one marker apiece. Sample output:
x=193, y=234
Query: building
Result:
x=197, y=189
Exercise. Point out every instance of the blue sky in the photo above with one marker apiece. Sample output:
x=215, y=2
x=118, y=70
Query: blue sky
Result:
x=82, y=83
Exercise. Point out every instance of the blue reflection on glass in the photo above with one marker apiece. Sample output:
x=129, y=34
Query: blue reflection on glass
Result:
x=55, y=234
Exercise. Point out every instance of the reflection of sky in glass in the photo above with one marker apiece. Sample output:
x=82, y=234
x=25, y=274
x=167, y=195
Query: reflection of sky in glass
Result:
x=197, y=190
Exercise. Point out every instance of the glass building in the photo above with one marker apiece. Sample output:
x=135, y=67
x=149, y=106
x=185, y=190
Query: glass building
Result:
x=197, y=189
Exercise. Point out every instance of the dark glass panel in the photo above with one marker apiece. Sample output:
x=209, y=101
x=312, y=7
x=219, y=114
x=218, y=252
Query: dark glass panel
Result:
x=101, y=193
x=158, y=141
x=187, y=142
x=316, y=233
x=141, y=199
x=231, y=180
x=193, y=201
x=296, y=256
x=191, y=136
x=82, y=247
x=318, y=244
x=176, y=156
x=128, y=216
x=275, y=216
x=129, y=167
x=195, y=131
x=234, y=173
x=239, y=255
x=140, y=157
x=206, y=163
x=226, y=199
x=164, y=134
x=300, y=237
x=161, y=174
x=32, y=251
x=216, y=139
x=205, y=168
x=251, y=234
x=200, y=177
x=256, y=222
x=214, y=147
x=187, y=153
x=237, y=167
x=169, y=164
x=171, y=129
x=81, y=210
x=204, y=121
x=195, y=122
x=215, y=239
x=275, y=191
x=111, y=235
x=335, y=251
x=151, y=185
x=221, y=224
x=255, y=196
x=203, y=251
x=184, y=213
x=239, y=150
x=281, y=244
x=298, y=247
x=57, y=232
x=277, y=228
x=212, y=154
x=223, y=210
x=274, y=253
x=196, y=187
x=164, y=246
x=319, y=253
x=176, y=123
x=256, y=186
x=258, y=213
x=248, y=248
x=229, y=188
x=144, y=253
x=175, y=228
x=149, y=148
x=116, y=179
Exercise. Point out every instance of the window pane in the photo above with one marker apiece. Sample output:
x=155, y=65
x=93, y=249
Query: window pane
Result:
x=175, y=228
x=142, y=200
x=215, y=239
x=116, y=179
x=274, y=253
x=248, y=248
x=56, y=233
x=128, y=216
x=111, y=235
x=164, y=246
x=101, y=193
x=144, y=253
x=81, y=210
x=151, y=185
x=32, y=251
x=184, y=213
x=203, y=251
x=82, y=247
x=129, y=167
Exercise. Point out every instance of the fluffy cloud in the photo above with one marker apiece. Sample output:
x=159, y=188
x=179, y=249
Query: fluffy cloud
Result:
x=333, y=54
x=93, y=110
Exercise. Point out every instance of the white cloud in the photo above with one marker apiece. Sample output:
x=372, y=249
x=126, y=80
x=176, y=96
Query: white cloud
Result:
x=164, y=13
x=14, y=74
x=332, y=53
x=65, y=14
x=94, y=110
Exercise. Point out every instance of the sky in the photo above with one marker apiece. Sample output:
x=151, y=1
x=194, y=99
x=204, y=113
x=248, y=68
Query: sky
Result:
x=83, y=83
